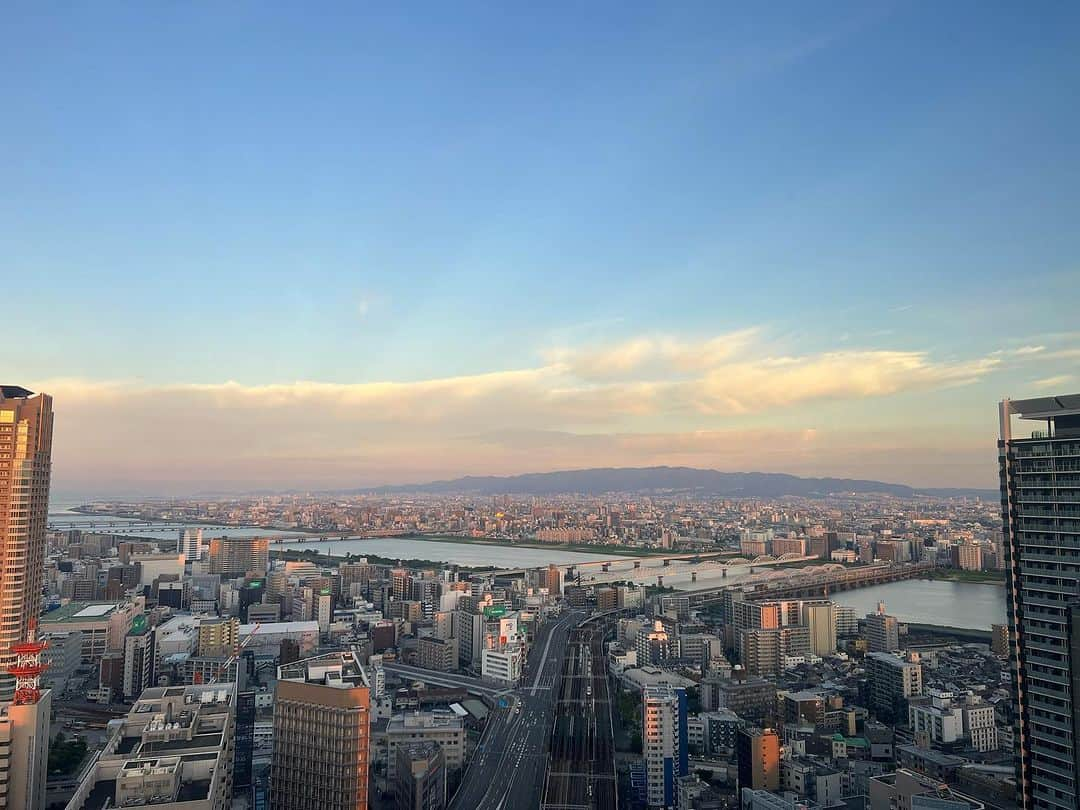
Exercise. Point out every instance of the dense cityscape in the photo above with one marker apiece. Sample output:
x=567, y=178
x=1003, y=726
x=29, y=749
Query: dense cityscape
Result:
x=706, y=660
x=540, y=406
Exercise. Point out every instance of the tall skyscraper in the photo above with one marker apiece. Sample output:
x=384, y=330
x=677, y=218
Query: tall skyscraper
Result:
x=664, y=733
x=26, y=426
x=322, y=722
x=1040, y=500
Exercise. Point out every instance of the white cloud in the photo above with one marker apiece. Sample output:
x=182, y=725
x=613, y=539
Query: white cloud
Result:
x=652, y=397
x=1054, y=382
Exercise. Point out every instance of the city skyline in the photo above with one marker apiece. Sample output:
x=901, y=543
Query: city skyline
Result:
x=371, y=248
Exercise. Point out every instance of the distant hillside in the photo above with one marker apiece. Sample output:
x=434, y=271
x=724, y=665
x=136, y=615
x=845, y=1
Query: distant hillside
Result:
x=686, y=480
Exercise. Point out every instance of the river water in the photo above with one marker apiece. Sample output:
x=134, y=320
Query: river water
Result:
x=971, y=605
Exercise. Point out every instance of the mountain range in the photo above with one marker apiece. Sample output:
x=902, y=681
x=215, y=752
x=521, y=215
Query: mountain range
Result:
x=666, y=480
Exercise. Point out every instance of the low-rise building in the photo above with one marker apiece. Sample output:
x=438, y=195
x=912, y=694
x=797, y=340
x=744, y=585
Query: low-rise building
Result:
x=444, y=728
x=908, y=789
x=103, y=624
x=173, y=751
x=265, y=639
x=63, y=656
x=503, y=665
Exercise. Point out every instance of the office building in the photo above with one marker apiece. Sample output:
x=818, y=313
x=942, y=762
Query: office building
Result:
x=63, y=655
x=757, y=755
x=445, y=729
x=173, y=751
x=103, y=625
x=421, y=777
x=26, y=427
x=804, y=708
x=237, y=556
x=24, y=752
x=1040, y=496
x=664, y=742
x=322, y=721
x=503, y=665
x=752, y=698
x=191, y=544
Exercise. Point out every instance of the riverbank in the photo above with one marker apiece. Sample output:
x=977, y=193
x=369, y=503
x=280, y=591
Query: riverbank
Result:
x=584, y=548
x=329, y=560
x=961, y=633
x=956, y=575
x=339, y=535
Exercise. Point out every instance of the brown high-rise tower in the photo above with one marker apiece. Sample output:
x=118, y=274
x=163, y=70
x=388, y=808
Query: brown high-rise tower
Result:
x=26, y=425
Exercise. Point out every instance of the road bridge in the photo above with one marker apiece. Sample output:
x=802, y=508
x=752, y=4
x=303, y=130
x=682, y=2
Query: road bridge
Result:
x=449, y=679
x=820, y=581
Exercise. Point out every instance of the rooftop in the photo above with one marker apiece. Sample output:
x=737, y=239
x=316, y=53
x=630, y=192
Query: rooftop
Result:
x=14, y=392
x=268, y=628
x=340, y=669
x=1045, y=407
x=81, y=612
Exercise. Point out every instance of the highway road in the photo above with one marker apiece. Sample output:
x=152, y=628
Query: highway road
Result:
x=507, y=770
x=449, y=679
x=581, y=761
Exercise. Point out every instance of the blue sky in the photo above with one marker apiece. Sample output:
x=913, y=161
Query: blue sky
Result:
x=268, y=196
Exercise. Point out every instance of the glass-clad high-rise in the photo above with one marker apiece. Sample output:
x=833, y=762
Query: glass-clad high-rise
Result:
x=1040, y=497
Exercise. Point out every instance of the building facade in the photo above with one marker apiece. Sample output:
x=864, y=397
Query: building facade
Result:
x=322, y=722
x=26, y=427
x=24, y=752
x=236, y=556
x=421, y=777
x=757, y=754
x=1040, y=500
x=664, y=742
x=892, y=680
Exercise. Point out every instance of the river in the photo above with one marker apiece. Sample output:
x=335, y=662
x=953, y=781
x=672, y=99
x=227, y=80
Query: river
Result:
x=970, y=605
x=957, y=604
